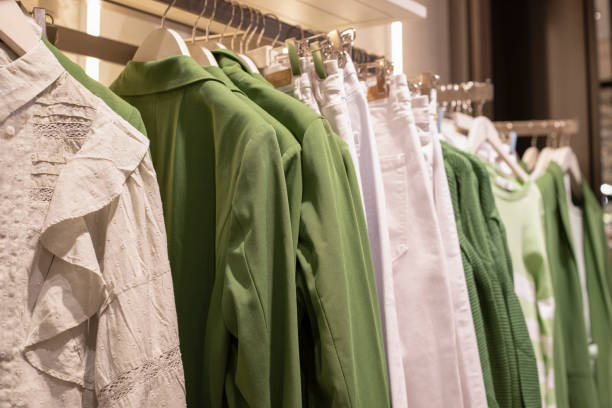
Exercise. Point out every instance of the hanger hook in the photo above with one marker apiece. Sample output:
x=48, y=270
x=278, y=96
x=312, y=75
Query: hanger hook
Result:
x=195, y=25
x=275, y=40
x=163, y=20
x=258, y=14
x=263, y=30
x=248, y=29
x=239, y=26
x=231, y=20
x=211, y=18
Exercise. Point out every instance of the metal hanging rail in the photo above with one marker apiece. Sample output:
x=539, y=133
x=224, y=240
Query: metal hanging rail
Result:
x=79, y=42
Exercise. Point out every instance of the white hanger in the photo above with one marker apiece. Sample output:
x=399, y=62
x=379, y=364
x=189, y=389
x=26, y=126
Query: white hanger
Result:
x=530, y=157
x=199, y=52
x=483, y=130
x=567, y=160
x=161, y=43
x=15, y=31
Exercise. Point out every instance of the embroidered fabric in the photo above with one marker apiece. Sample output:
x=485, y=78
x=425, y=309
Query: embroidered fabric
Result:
x=143, y=374
x=31, y=162
x=85, y=286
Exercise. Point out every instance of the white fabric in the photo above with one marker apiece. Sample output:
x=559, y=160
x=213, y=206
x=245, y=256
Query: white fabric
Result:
x=422, y=288
x=378, y=229
x=470, y=370
x=302, y=86
x=86, y=300
x=332, y=102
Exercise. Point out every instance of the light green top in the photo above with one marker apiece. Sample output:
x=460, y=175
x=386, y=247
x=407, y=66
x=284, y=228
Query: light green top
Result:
x=522, y=213
x=222, y=176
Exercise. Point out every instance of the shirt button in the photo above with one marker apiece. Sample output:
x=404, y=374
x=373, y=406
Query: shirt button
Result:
x=10, y=130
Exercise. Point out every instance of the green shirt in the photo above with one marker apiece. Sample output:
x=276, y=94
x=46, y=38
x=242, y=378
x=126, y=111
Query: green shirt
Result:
x=342, y=356
x=118, y=105
x=599, y=288
x=522, y=213
x=222, y=180
x=574, y=384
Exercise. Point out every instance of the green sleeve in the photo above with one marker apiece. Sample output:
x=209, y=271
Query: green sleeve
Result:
x=253, y=338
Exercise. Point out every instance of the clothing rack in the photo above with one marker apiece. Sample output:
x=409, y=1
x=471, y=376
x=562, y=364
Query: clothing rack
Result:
x=539, y=127
x=79, y=42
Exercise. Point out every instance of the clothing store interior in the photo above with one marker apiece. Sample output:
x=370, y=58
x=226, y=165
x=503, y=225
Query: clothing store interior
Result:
x=423, y=219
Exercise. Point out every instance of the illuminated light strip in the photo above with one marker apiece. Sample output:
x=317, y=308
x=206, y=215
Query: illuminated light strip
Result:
x=92, y=65
x=397, y=47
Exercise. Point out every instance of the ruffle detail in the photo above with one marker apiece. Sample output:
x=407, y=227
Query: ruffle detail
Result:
x=74, y=289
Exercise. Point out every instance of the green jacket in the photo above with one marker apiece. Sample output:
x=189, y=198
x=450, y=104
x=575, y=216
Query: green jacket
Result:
x=118, y=105
x=599, y=287
x=573, y=379
x=342, y=356
x=222, y=178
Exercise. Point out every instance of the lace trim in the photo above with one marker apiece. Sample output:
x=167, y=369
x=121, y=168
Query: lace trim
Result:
x=41, y=194
x=145, y=373
x=69, y=134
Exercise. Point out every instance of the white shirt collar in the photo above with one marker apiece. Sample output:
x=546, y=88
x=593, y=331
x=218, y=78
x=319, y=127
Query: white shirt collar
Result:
x=26, y=77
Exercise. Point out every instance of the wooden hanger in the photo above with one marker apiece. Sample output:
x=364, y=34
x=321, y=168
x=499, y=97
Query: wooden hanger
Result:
x=161, y=43
x=15, y=30
x=199, y=52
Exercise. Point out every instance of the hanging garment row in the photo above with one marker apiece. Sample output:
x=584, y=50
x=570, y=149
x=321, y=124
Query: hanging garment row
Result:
x=320, y=243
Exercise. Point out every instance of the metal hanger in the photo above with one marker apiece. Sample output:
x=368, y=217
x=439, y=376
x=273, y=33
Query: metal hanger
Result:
x=248, y=29
x=198, y=51
x=231, y=20
x=237, y=27
x=161, y=42
x=258, y=15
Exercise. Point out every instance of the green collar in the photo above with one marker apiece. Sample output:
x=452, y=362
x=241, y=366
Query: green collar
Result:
x=143, y=78
x=218, y=74
x=223, y=55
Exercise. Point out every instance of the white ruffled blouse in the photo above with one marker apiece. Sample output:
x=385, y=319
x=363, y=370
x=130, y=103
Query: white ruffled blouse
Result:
x=87, y=315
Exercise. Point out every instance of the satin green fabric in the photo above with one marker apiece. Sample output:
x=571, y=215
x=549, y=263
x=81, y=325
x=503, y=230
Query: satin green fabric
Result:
x=222, y=175
x=342, y=356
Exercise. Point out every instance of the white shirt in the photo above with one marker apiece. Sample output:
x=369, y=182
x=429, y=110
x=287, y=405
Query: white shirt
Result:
x=86, y=298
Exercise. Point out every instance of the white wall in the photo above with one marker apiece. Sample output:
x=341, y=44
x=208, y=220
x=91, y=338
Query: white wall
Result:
x=426, y=41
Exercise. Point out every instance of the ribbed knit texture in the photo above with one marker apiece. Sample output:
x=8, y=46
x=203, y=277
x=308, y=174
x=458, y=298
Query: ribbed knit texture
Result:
x=470, y=263
x=525, y=356
x=509, y=349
